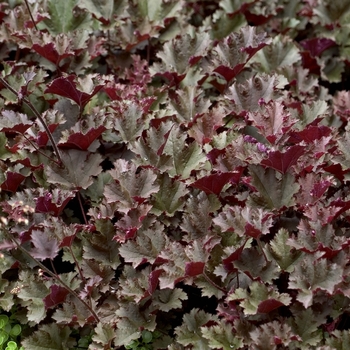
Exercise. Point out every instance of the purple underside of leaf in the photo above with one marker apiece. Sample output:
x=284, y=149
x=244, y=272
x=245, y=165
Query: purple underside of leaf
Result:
x=269, y=305
x=66, y=87
x=45, y=205
x=310, y=134
x=229, y=73
x=214, y=183
x=282, y=162
x=57, y=296
x=49, y=52
x=194, y=268
x=13, y=180
x=317, y=45
x=227, y=262
x=252, y=231
x=42, y=136
x=82, y=141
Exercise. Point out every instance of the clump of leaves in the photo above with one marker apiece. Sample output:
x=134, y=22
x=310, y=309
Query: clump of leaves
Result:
x=9, y=333
x=175, y=174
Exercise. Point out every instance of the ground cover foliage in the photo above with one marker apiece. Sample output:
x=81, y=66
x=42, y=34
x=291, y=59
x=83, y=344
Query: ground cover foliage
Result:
x=175, y=174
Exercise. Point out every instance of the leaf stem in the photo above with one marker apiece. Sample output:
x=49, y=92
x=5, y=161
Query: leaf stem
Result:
x=39, y=151
x=37, y=114
x=82, y=208
x=30, y=13
x=54, y=276
x=213, y=283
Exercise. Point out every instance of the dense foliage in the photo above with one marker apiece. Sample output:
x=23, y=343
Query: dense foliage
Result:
x=175, y=174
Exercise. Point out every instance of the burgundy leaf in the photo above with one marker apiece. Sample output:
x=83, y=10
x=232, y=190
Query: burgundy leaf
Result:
x=252, y=231
x=215, y=182
x=310, y=134
x=317, y=45
x=42, y=138
x=214, y=154
x=229, y=73
x=153, y=280
x=13, y=180
x=336, y=170
x=67, y=87
x=82, y=141
x=194, y=268
x=49, y=52
x=57, y=296
x=233, y=257
x=310, y=63
x=320, y=188
x=283, y=161
x=269, y=305
x=11, y=121
x=44, y=204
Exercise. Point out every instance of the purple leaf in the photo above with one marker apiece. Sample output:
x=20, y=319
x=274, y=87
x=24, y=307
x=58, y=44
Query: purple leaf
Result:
x=283, y=161
x=317, y=45
x=215, y=182
x=82, y=141
x=57, y=296
x=194, y=268
x=269, y=305
x=67, y=87
x=13, y=180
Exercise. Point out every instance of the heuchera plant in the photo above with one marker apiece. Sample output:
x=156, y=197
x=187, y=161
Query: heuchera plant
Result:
x=175, y=174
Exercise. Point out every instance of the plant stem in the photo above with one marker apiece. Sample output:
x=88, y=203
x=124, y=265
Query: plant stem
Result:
x=37, y=114
x=82, y=208
x=39, y=151
x=30, y=14
x=213, y=283
x=54, y=276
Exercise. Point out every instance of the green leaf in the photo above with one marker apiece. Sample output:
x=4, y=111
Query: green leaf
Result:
x=282, y=253
x=130, y=185
x=190, y=332
x=185, y=157
x=246, y=94
x=223, y=24
x=49, y=337
x=266, y=335
x=32, y=294
x=130, y=121
x=305, y=324
x=168, y=299
x=79, y=167
x=95, y=191
x=276, y=190
x=147, y=147
x=197, y=219
x=258, y=292
x=311, y=111
x=169, y=198
x=104, y=334
x=280, y=53
x=253, y=263
x=63, y=17
x=177, y=53
x=339, y=340
x=222, y=336
x=146, y=247
x=130, y=322
x=72, y=309
x=103, y=8
x=313, y=274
